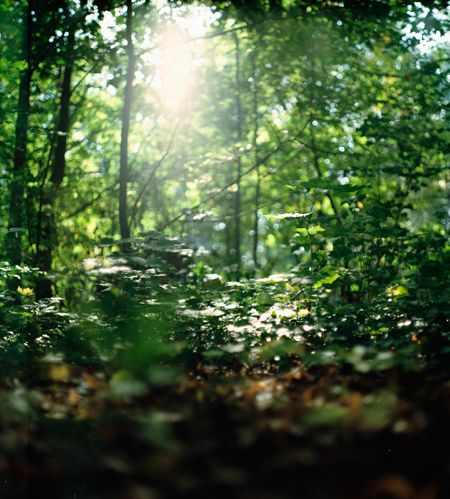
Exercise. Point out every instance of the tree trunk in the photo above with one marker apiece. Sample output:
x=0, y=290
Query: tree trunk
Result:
x=47, y=229
x=123, y=217
x=255, y=152
x=19, y=174
x=59, y=163
x=237, y=241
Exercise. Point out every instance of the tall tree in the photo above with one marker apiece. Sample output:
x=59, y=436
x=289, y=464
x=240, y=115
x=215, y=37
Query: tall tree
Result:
x=255, y=90
x=17, y=217
x=46, y=232
x=237, y=239
x=126, y=113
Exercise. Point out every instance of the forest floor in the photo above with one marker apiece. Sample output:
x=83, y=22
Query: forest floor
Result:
x=227, y=431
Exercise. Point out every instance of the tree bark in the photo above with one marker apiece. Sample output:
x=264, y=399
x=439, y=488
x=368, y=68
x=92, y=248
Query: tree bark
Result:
x=255, y=152
x=16, y=220
x=46, y=238
x=237, y=239
x=59, y=164
x=123, y=216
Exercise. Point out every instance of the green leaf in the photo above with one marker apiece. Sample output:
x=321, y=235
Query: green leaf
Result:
x=21, y=65
x=327, y=280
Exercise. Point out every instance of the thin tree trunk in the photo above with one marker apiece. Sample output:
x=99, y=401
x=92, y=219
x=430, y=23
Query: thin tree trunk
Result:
x=237, y=241
x=346, y=289
x=319, y=175
x=46, y=238
x=20, y=166
x=255, y=152
x=123, y=217
x=59, y=164
x=314, y=148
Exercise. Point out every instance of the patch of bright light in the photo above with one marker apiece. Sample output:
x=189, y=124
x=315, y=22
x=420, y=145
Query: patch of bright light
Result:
x=428, y=42
x=108, y=26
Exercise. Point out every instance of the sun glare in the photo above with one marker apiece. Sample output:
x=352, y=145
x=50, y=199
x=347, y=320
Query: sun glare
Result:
x=180, y=54
x=176, y=69
x=174, y=52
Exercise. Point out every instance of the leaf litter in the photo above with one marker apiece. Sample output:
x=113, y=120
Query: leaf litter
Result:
x=228, y=429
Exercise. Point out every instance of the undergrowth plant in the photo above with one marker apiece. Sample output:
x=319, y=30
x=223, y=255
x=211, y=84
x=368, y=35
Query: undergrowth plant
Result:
x=365, y=293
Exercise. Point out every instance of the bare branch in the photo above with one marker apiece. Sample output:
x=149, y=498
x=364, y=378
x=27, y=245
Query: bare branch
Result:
x=90, y=203
x=258, y=163
x=152, y=175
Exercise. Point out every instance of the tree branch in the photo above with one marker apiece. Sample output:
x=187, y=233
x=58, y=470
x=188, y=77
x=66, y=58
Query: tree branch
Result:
x=227, y=31
x=90, y=203
x=152, y=175
x=246, y=26
x=258, y=163
x=330, y=152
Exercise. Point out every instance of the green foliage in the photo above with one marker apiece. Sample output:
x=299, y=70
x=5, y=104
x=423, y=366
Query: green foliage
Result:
x=28, y=328
x=309, y=147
